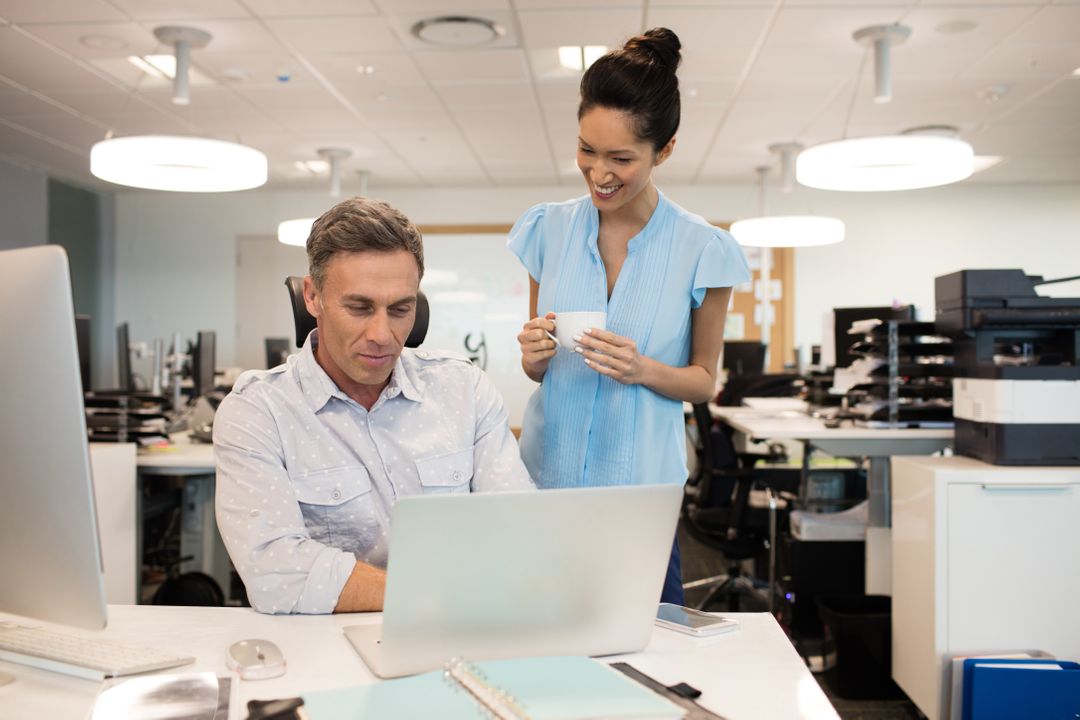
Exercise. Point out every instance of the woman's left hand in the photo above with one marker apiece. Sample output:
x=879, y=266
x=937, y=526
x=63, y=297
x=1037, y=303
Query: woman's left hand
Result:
x=612, y=355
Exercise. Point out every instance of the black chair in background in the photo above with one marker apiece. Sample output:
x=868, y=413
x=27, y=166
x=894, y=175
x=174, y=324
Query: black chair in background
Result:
x=304, y=322
x=718, y=513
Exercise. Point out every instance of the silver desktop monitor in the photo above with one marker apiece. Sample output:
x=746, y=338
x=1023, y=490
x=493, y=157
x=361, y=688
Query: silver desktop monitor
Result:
x=50, y=558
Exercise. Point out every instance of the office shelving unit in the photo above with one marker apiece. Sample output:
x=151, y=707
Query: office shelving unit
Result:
x=911, y=385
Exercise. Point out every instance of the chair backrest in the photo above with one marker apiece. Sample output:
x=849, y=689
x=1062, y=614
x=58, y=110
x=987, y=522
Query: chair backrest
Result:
x=304, y=322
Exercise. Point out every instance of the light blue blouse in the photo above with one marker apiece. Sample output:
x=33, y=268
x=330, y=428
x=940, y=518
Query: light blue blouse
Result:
x=582, y=428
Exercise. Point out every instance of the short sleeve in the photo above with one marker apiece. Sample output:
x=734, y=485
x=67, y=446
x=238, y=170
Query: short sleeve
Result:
x=526, y=240
x=722, y=264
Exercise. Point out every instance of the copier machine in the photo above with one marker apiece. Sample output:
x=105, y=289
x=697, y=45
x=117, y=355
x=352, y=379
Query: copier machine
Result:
x=1016, y=393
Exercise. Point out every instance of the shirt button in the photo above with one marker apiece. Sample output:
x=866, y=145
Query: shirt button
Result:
x=422, y=354
x=254, y=513
x=455, y=475
x=336, y=494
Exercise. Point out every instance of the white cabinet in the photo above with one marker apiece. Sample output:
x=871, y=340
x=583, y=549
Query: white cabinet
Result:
x=985, y=559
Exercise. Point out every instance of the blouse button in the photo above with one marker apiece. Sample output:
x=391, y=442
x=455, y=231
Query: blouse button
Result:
x=254, y=513
x=456, y=475
x=336, y=494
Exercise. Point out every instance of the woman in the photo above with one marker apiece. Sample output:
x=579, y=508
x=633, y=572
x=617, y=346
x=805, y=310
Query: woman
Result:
x=610, y=411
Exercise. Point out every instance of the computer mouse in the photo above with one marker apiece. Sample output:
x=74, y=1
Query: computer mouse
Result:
x=255, y=659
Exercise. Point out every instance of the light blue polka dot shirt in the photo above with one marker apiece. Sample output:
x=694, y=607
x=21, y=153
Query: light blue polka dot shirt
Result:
x=585, y=429
x=306, y=477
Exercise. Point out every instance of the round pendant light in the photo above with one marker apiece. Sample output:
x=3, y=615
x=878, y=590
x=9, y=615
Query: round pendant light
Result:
x=887, y=162
x=178, y=163
x=295, y=232
x=788, y=231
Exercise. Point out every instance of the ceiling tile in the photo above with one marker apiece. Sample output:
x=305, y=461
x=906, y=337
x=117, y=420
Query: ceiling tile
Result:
x=47, y=11
x=552, y=28
x=187, y=10
x=473, y=66
x=437, y=7
x=33, y=65
x=488, y=97
x=311, y=8
x=706, y=56
x=336, y=35
x=390, y=70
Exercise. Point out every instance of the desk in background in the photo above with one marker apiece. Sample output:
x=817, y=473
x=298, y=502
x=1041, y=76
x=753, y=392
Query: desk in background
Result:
x=118, y=471
x=875, y=444
x=752, y=674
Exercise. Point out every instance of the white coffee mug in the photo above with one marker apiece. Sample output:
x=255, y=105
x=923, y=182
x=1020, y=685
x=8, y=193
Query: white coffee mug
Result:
x=569, y=325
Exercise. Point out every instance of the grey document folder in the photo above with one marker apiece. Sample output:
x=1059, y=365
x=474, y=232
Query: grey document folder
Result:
x=516, y=574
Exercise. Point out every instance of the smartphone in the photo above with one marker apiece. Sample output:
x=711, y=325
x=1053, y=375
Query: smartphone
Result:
x=693, y=622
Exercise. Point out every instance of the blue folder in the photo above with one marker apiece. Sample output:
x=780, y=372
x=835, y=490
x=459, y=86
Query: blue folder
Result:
x=1004, y=689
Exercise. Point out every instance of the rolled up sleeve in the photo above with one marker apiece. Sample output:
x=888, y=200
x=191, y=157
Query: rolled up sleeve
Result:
x=283, y=568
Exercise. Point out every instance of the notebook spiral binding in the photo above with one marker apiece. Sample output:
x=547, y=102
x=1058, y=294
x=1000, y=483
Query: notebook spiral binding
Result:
x=497, y=703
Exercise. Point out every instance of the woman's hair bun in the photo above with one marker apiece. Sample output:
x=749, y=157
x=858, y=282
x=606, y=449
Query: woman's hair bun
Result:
x=659, y=44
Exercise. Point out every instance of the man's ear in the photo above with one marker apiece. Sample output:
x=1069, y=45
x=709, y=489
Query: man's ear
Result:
x=311, y=297
x=665, y=152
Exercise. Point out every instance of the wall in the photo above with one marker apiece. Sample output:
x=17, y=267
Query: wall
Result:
x=23, y=207
x=176, y=253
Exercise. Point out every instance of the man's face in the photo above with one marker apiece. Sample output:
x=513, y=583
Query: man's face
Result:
x=365, y=312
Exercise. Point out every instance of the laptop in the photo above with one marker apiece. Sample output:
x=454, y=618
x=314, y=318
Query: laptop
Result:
x=516, y=574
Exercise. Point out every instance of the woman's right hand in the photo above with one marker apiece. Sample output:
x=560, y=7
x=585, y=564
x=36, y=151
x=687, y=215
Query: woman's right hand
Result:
x=537, y=348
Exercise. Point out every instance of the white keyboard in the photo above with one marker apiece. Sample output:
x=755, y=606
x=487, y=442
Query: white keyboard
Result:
x=86, y=657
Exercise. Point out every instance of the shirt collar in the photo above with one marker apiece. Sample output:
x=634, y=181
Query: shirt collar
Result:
x=318, y=387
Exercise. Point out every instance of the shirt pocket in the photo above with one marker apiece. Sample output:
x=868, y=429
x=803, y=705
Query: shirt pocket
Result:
x=336, y=505
x=446, y=473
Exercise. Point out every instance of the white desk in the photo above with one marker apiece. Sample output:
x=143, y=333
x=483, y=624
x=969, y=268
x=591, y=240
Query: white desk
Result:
x=875, y=444
x=753, y=674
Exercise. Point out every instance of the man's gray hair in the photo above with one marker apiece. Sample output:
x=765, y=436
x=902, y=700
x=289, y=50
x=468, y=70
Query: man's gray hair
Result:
x=360, y=224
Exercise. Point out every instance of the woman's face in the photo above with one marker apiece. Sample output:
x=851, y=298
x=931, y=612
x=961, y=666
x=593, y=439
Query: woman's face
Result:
x=617, y=164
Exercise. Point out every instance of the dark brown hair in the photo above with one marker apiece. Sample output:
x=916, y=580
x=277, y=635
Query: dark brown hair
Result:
x=639, y=79
x=360, y=224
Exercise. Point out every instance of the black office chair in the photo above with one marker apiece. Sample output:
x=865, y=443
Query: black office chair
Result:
x=304, y=321
x=717, y=512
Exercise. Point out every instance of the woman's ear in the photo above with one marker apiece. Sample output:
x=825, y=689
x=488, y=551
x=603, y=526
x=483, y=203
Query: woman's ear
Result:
x=665, y=152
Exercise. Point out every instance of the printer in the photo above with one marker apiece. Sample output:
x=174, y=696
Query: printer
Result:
x=1016, y=390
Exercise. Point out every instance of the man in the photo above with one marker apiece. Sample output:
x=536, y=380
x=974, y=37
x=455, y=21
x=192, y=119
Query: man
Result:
x=312, y=454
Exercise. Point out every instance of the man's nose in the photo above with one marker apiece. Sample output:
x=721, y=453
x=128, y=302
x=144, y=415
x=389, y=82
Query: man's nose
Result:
x=378, y=328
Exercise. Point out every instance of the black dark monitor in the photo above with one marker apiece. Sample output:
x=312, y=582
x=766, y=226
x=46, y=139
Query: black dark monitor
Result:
x=202, y=362
x=744, y=357
x=277, y=351
x=844, y=317
x=82, y=338
x=125, y=379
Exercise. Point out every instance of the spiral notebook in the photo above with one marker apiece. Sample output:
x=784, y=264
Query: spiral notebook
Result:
x=543, y=688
